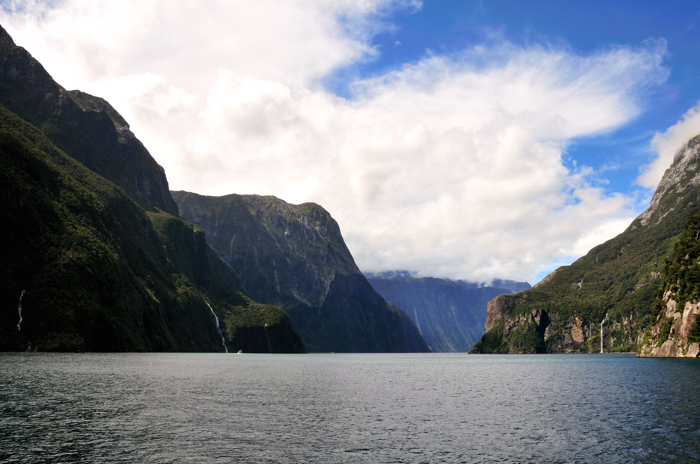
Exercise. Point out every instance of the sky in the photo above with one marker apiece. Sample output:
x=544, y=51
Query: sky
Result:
x=460, y=139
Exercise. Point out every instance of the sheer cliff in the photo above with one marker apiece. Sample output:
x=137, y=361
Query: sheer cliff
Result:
x=604, y=300
x=294, y=256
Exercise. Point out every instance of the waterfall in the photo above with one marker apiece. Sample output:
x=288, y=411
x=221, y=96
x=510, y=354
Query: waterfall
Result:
x=218, y=329
x=269, y=347
x=19, y=310
x=415, y=313
x=601, y=332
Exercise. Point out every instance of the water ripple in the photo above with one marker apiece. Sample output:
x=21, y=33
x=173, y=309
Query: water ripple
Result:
x=168, y=408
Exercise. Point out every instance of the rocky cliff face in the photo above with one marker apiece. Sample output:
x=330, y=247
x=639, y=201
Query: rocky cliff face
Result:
x=294, y=256
x=675, y=330
x=606, y=298
x=672, y=335
x=449, y=314
x=85, y=127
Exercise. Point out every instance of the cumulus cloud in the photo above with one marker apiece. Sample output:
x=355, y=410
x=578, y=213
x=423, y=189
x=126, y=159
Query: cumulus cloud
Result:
x=448, y=166
x=668, y=144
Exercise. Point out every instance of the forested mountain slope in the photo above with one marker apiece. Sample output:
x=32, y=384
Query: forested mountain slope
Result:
x=614, y=284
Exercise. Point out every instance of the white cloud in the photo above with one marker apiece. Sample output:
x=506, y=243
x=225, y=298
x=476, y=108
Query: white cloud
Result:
x=449, y=166
x=668, y=144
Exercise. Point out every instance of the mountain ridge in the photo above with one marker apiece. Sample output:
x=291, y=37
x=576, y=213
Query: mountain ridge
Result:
x=84, y=127
x=294, y=256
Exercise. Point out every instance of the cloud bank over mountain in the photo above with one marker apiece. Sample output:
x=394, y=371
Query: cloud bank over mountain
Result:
x=453, y=165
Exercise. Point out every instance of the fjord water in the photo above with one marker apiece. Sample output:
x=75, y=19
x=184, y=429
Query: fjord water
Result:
x=166, y=408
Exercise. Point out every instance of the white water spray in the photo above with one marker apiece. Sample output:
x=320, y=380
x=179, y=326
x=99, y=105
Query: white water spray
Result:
x=218, y=329
x=601, y=332
x=269, y=347
x=19, y=310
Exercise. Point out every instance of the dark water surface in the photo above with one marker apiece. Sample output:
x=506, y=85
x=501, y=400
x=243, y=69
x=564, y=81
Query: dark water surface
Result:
x=195, y=408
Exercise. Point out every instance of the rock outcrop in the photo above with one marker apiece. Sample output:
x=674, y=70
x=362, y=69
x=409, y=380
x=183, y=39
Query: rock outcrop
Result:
x=671, y=335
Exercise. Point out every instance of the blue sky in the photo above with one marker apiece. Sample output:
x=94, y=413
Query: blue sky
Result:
x=444, y=26
x=461, y=139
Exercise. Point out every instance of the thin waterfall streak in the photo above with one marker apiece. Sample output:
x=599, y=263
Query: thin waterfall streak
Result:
x=19, y=310
x=218, y=329
x=601, y=333
x=269, y=346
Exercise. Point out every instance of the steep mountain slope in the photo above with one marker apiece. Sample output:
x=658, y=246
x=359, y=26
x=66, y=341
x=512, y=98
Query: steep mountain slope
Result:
x=85, y=268
x=86, y=128
x=449, y=314
x=610, y=290
x=294, y=256
x=675, y=331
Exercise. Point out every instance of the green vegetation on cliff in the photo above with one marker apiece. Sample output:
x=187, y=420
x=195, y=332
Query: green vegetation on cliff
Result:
x=616, y=281
x=682, y=268
x=93, y=270
x=84, y=267
x=676, y=316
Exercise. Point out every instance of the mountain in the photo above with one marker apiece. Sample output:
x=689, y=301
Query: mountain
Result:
x=84, y=127
x=610, y=291
x=449, y=314
x=294, y=256
x=675, y=330
x=87, y=268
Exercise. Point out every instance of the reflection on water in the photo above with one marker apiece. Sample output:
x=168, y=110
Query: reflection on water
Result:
x=347, y=408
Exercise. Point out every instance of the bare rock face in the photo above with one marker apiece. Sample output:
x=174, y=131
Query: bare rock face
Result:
x=684, y=174
x=668, y=337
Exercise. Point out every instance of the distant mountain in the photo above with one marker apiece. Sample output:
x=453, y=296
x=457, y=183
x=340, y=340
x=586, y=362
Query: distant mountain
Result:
x=449, y=314
x=610, y=292
x=86, y=268
x=294, y=256
x=84, y=127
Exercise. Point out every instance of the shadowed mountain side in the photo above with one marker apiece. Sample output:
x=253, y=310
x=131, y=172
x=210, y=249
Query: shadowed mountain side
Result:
x=294, y=256
x=84, y=127
x=87, y=269
x=610, y=291
x=449, y=315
